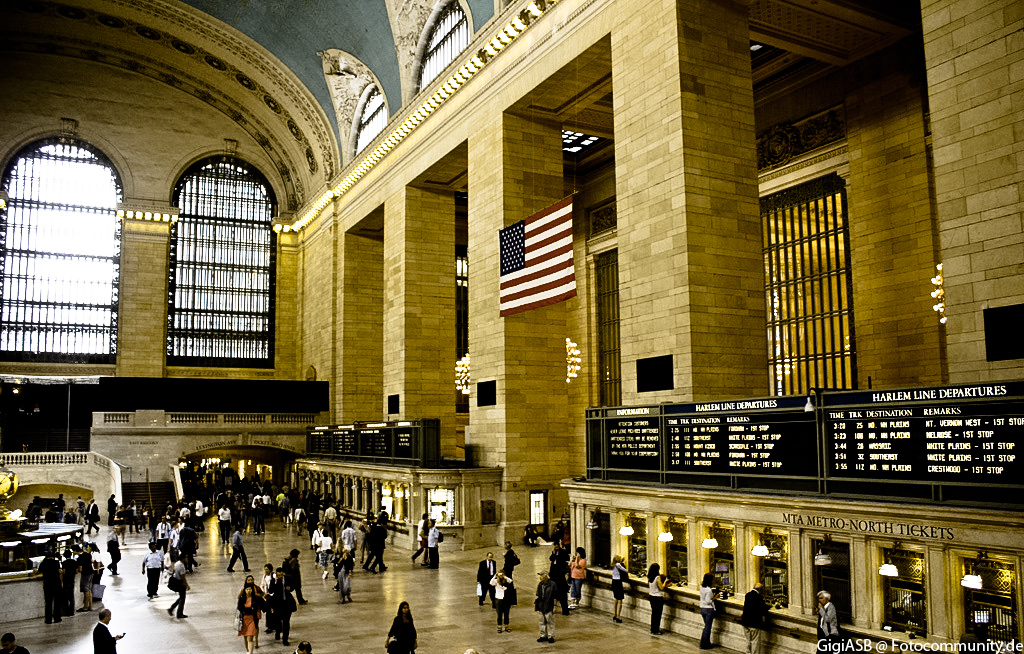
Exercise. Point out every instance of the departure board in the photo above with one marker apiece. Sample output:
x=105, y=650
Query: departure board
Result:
x=634, y=439
x=774, y=436
x=945, y=435
x=375, y=442
x=402, y=442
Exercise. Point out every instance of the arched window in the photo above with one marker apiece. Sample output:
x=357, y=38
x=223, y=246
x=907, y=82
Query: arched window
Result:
x=60, y=252
x=372, y=120
x=448, y=37
x=223, y=266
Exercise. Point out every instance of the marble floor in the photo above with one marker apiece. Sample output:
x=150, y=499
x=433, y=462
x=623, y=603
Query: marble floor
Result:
x=444, y=605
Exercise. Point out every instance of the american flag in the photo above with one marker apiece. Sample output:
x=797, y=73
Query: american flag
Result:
x=536, y=260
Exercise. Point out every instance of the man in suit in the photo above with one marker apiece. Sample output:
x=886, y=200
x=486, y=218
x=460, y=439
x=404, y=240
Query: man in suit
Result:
x=754, y=619
x=283, y=605
x=484, y=574
x=104, y=642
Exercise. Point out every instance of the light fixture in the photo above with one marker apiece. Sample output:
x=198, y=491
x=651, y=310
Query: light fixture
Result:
x=592, y=523
x=759, y=550
x=888, y=570
x=626, y=530
x=572, y=360
x=809, y=407
x=462, y=375
x=822, y=559
x=665, y=537
x=971, y=581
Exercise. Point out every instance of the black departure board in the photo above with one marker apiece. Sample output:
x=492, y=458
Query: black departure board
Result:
x=402, y=442
x=970, y=434
x=634, y=438
x=774, y=436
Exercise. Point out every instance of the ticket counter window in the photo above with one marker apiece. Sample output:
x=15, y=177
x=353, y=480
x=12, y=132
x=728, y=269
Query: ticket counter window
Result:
x=832, y=574
x=387, y=499
x=903, y=596
x=676, y=554
x=773, y=568
x=441, y=505
x=990, y=612
x=538, y=510
x=636, y=547
x=722, y=558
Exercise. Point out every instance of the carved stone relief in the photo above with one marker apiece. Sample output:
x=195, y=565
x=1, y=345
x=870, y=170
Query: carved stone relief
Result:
x=408, y=19
x=346, y=78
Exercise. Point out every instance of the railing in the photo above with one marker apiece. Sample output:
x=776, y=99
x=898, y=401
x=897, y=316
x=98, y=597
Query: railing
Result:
x=128, y=419
x=46, y=459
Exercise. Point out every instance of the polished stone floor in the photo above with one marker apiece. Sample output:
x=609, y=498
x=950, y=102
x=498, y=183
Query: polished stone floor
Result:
x=448, y=618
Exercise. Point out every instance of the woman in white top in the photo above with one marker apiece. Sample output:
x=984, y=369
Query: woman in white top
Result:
x=619, y=575
x=348, y=536
x=707, y=608
x=325, y=552
x=656, y=595
x=502, y=598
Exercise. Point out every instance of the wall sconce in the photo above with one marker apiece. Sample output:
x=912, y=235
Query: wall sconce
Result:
x=822, y=559
x=626, y=529
x=592, y=523
x=974, y=582
x=761, y=550
x=572, y=360
x=710, y=543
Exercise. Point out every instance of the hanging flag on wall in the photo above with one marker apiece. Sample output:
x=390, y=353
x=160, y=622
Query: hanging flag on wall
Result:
x=536, y=260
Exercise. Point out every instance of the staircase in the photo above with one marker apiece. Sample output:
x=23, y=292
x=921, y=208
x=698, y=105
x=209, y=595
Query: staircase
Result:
x=156, y=493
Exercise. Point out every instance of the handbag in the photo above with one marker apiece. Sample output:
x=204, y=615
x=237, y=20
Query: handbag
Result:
x=175, y=584
x=511, y=595
x=394, y=647
x=97, y=591
x=238, y=620
x=479, y=590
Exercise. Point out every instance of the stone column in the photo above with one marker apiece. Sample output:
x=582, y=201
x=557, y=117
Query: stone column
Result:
x=419, y=307
x=142, y=303
x=515, y=170
x=359, y=343
x=972, y=55
x=691, y=280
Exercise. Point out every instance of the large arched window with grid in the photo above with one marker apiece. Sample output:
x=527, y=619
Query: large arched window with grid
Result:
x=60, y=254
x=222, y=267
x=449, y=36
x=372, y=119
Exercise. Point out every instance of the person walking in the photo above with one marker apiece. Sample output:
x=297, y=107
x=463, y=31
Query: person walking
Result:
x=754, y=619
x=324, y=551
x=545, y=606
x=250, y=607
x=152, y=567
x=828, y=621
x=657, y=583
x=559, y=573
x=238, y=550
x=114, y=550
x=283, y=606
x=484, y=576
x=93, y=517
x=421, y=533
x=111, y=510
x=179, y=584
x=707, y=608
x=348, y=537
x=401, y=638
x=577, y=574
x=103, y=641
x=504, y=598
x=619, y=576
x=434, y=539
x=344, y=566
x=224, y=523
x=293, y=574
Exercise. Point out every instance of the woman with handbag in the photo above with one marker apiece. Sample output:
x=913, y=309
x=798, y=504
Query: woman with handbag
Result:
x=401, y=638
x=250, y=608
x=178, y=584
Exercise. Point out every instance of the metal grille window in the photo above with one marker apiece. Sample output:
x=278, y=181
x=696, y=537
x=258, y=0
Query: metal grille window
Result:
x=60, y=254
x=461, y=317
x=448, y=37
x=832, y=574
x=223, y=266
x=372, y=120
x=990, y=612
x=905, y=607
x=807, y=288
x=606, y=268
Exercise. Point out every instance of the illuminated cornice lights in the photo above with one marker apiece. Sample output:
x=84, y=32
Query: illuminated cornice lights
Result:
x=470, y=67
x=162, y=215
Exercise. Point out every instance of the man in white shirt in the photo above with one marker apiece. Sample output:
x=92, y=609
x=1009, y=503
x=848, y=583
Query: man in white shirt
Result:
x=224, y=522
x=433, y=538
x=163, y=533
x=152, y=566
